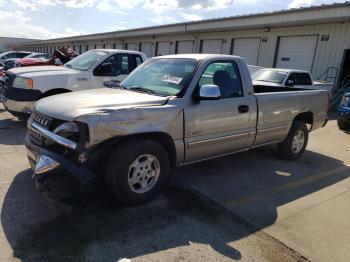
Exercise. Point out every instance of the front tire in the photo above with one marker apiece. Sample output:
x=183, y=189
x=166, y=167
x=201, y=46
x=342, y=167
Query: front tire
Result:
x=137, y=171
x=293, y=147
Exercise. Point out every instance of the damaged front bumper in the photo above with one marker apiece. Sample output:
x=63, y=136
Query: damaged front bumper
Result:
x=46, y=164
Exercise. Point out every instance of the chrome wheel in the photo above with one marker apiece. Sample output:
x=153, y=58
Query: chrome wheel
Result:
x=144, y=173
x=298, y=142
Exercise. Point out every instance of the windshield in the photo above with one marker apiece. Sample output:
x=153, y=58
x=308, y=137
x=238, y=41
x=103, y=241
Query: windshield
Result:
x=271, y=76
x=167, y=77
x=86, y=60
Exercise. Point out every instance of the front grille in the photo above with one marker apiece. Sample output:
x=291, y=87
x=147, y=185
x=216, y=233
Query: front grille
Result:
x=36, y=136
x=8, y=79
x=40, y=119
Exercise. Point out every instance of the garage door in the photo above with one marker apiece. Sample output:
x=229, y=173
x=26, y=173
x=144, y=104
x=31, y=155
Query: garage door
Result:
x=296, y=52
x=185, y=47
x=248, y=49
x=146, y=48
x=211, y=47
x=118, y=46
x=163, y=48
x=132, y=46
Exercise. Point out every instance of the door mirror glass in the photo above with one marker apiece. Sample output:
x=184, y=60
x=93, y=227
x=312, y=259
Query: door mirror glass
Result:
x=103, y=70
x=209, y=92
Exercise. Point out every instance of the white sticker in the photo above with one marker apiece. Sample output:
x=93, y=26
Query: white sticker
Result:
x=172, y=79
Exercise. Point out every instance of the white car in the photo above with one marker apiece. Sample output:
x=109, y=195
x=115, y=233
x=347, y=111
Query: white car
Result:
x=94, y=69
x=12, y=54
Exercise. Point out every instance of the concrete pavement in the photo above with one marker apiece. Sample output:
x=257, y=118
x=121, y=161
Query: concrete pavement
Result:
x=179, y=225
x=303, y=204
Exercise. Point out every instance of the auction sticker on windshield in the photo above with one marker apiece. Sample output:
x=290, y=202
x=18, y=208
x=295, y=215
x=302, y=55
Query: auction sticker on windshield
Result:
x=172, y=79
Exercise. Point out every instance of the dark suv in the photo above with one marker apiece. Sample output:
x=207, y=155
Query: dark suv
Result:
x=344, y=113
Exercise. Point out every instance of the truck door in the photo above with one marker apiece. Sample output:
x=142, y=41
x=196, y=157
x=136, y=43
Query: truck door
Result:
x=218, y=127
x=111, y=71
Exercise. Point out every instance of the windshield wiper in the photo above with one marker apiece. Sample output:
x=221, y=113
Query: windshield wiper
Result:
x=69, y=66
x=143, y=90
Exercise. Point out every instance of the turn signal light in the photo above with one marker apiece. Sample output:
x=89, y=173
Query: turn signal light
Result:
x=30, y=83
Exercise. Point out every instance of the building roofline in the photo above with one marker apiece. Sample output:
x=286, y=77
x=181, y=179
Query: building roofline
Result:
x=187, y=24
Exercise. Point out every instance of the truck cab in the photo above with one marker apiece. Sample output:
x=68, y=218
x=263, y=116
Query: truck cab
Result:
x=94, y=69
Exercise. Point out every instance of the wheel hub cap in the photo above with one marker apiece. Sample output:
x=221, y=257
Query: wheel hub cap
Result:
x=144, y=173
x=298, y=142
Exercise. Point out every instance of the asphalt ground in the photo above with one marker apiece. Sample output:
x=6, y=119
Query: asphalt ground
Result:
x=231, y=208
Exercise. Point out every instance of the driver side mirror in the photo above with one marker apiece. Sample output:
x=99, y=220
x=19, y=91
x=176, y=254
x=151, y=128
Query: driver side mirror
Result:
x=103, y=70
x=209, y=92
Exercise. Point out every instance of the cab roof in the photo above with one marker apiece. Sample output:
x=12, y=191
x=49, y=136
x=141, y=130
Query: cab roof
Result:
x=198, y=56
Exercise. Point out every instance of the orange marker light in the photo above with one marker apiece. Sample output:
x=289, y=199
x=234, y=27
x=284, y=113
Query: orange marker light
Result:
x=30, y=83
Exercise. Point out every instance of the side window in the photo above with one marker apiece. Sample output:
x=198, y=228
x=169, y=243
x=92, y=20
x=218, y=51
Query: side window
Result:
x=21, y=55
x=138, y=60
x=292, y=80
x=226, y=76
x=304, y=79
x=114, y=66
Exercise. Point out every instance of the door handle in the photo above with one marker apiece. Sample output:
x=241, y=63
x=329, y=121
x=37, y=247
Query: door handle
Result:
x=243, y=109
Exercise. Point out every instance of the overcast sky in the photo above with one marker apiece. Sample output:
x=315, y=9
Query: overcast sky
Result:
x=56, y=18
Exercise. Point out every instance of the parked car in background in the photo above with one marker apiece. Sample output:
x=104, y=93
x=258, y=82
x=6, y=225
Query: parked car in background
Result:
x=59, y=57
x=344, y=113
x=171, y=111
x=93, y=69
x=253, y=69
x=10, y=63
x=12, y=54
x=276, y=77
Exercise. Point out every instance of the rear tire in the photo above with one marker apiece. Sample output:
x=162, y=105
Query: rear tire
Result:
x=137, y=171
x=293, y=147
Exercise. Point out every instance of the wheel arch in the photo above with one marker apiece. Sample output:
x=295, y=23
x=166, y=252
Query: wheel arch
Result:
x=162, y=138
x=306, y=117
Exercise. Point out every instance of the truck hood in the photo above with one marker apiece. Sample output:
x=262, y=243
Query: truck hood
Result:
x=72, y=105
x=41, y=70
x=263, y=83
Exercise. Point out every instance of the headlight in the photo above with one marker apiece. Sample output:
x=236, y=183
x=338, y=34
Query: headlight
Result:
x=24, y=83
x=346, y=101
x=70, y=127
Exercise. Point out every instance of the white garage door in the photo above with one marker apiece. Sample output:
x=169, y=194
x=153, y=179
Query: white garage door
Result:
x=185, y=47
x=296, y=52
x=248, y=49
x=132, y=46
x=118, y=46
x=163, y=48
x=211, y=46
x=146, y=48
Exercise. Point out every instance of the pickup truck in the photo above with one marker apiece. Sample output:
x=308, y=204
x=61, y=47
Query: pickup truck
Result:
x=93, y=69
x=171, y=111
x=277, y=77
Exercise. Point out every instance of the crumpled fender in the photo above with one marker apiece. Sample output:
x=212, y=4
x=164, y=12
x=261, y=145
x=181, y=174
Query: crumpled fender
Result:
x=109, y=124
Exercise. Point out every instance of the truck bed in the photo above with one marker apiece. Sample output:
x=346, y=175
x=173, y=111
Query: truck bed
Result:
x=274, y=89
